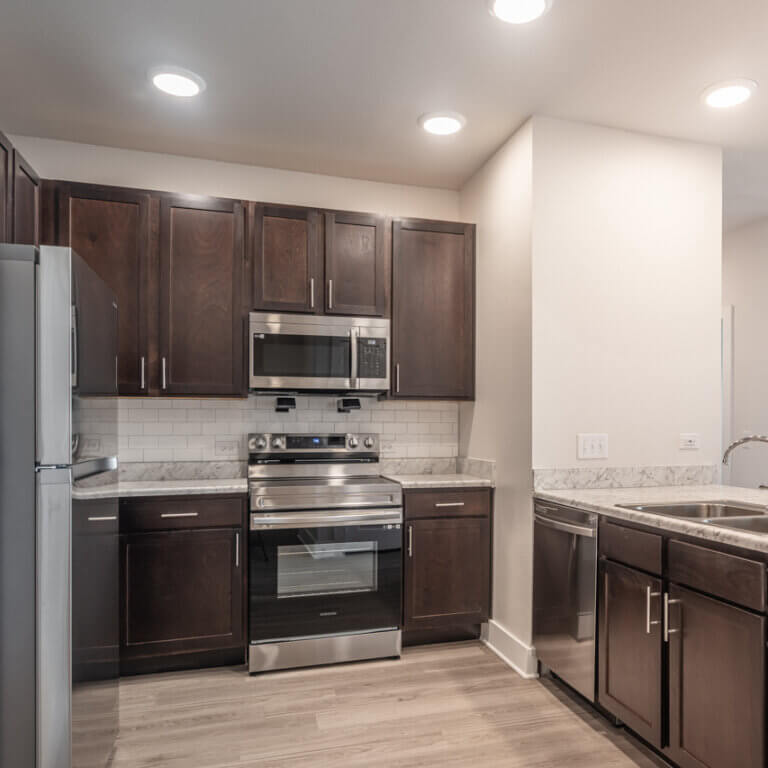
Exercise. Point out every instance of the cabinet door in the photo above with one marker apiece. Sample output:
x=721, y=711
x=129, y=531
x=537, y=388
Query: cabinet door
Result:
x=6, y=189
x=287, y=269
x=109, y=228
x=716, y=683
x=433, y=309
x=202, y=312
x=356, y=264
x=26, y=202
x=181, y=592
x=447, y=572
x=630, y=649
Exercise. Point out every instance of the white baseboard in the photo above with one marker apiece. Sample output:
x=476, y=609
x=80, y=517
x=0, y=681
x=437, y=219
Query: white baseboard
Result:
x=512, y=651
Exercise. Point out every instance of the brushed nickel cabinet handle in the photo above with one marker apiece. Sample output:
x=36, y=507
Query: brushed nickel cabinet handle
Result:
x=410, y=541
x=330, y=294
x=143, y=372
x=237, y=549
x=449, y=504
x=648, y=623
x=667, y=630
x=179, y=514
x=397, y=377
x=102, y=518
x=311, y=292
x=165, y=380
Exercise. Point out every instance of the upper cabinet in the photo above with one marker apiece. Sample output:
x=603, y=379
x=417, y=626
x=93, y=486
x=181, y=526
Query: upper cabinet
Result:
x=433, y=309
x=6, y=189
x=202, y=312
x=26, y=202
x=357, y=267
x=287, y=265
x=334, y=263
x=109, y=227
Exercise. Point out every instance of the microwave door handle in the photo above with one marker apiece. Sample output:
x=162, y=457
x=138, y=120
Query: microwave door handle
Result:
x=354, y=335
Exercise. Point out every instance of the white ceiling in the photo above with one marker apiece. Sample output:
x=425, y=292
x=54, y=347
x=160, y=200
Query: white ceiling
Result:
x=336, y=86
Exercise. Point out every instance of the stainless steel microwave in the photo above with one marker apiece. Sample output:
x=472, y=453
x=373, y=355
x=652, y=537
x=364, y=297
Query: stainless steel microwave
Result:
x=317, y=353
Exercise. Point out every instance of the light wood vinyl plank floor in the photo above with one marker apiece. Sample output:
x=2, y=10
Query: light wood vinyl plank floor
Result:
x=442, y=705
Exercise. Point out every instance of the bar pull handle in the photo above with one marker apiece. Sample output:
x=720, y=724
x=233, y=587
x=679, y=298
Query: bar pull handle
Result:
x=143, y=367
x=330, y=294
x=410, y=541
x=311, y=292
x=179, y=514
x=75, y=344
x=165, y=378
x=102, y=518
x=237, y=549
x=397, y=377
x=667, y=630
x=449, y=504
x=648, y=623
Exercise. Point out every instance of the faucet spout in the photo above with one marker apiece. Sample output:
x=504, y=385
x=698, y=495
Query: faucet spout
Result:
x=736, y=443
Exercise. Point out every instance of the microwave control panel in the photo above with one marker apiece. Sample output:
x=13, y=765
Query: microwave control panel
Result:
x=372, y=358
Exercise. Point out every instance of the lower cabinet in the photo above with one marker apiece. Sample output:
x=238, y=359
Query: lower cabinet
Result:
x=447, y=560
x=630, y=649
x=716, y=683
x=682, y=650
x=182, y=583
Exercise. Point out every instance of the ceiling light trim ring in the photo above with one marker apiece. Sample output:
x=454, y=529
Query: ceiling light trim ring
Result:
x=177, y=72
x=536, y=9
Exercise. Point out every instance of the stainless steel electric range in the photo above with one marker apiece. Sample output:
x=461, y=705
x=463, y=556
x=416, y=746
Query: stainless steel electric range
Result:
x=324, y=552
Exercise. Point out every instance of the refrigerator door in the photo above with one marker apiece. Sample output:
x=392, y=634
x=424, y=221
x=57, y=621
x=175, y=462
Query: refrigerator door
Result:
x=54, y=611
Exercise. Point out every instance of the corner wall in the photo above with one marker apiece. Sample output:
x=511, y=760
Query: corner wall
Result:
x=497, y=425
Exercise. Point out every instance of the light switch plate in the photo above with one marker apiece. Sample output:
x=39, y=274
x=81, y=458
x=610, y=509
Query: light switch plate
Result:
x=592, y=445
x=690, y=441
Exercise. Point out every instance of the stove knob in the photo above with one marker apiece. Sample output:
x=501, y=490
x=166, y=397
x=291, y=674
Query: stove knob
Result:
x=353, y=442
x=277, y=442
x=261, y=443
x=368, y=442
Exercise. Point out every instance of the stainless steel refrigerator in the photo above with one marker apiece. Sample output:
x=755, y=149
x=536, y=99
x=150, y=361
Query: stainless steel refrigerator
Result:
x=59, y=555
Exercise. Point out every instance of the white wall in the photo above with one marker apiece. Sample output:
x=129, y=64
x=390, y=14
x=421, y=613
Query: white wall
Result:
x=186, y=175
x=745, y=287
x=626, y=295
x=498, y=425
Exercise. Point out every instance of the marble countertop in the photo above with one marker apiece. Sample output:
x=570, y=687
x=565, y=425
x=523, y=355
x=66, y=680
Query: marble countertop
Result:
x=440, y=481
x=603, y=501
x=162, y=488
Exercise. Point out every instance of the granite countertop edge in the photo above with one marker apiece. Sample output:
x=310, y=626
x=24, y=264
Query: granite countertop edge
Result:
x=604, y=501
x=163, y=488
x=440, y=481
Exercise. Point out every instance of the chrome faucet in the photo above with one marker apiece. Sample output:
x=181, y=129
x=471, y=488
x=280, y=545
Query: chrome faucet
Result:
x=737, y=443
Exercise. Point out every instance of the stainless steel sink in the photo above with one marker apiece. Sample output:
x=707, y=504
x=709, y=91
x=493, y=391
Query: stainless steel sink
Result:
x=752, y=524
x=708, y=510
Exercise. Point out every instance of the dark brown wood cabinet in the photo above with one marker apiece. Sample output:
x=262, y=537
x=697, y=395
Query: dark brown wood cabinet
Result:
x=433, y=312
x=716, y=683
x=287, y=265
x=357, y=267
x=6, y=190
x=26, y=202
x=447, y=556
x=630, y=648
x=202, y=311
x=182, y=582
x=110, y=228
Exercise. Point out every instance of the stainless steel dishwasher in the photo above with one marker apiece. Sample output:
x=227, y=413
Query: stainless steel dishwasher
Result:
x=565, y=593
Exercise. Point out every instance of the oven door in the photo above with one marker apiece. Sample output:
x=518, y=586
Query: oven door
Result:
x=291, y=353
x=324, y=573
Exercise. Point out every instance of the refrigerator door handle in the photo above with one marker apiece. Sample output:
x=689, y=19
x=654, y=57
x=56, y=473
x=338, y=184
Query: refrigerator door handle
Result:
x=75, y=361
x=90, y=467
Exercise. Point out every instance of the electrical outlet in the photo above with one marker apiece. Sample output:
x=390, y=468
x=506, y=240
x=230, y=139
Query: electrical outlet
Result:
x=690, y=441
x=226, y=449
x=593, y=445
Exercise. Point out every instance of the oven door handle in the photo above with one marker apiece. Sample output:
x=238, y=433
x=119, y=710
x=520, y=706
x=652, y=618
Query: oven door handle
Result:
x=325, y=519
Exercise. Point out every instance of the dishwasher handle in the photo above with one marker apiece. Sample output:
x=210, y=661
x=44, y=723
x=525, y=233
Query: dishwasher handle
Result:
x=560, y=525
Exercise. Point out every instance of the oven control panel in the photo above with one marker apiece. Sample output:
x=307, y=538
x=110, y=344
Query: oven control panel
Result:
x=290, y=443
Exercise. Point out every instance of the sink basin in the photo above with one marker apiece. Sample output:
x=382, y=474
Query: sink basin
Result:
x=709, y=510
x=752, y=524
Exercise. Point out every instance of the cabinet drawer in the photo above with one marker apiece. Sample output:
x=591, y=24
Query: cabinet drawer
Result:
x=138, y=515
x=447, y=502
x=730, y=577
x=635, y=548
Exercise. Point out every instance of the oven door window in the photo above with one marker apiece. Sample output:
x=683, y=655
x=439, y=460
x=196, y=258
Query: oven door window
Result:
x=316, y=581
x=330, y=568
x=299, y=356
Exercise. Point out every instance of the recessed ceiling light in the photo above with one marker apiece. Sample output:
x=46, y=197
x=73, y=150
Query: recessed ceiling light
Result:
x=729, y=94
x=518, y=11
x=442, y=123
x=177, y=81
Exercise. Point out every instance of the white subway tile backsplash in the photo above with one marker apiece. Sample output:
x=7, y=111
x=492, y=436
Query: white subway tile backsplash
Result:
x=168, y=430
